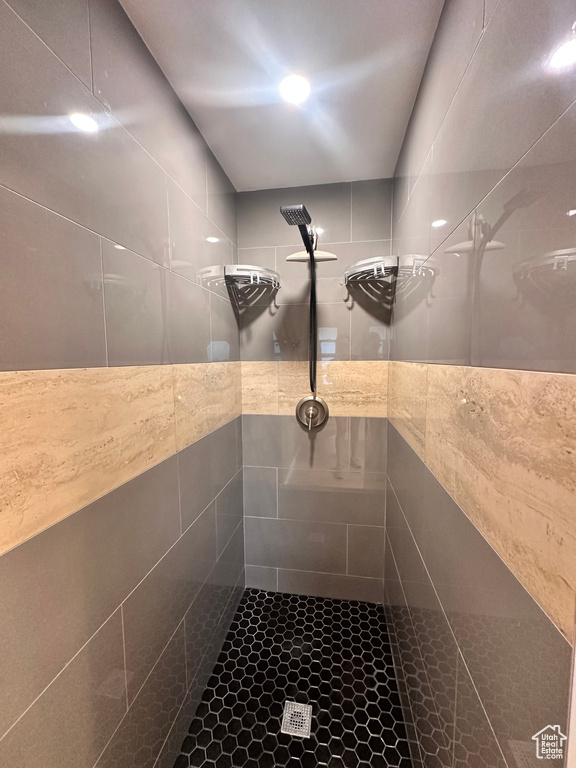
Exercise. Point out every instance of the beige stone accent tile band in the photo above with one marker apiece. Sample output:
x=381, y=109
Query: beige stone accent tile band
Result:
x=260, y=387
x=351, y=387
x=503, y=444
x=206, y=396
x=71, y=436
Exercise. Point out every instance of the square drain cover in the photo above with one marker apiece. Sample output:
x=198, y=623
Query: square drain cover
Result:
x=297, y=720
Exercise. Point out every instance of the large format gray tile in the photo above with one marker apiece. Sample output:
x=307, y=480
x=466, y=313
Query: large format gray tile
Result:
x=230, y=566
x=221, y=198
x=139, y=739
x=366, y=551
x=475, y=743
x=258, y=577
x=191, y=255
x=51, y=308
x=202, y=621
x=328, y=585
x=136, y=301
x=296, y=545
x=188, y=320
x=260, y=222
x=523, y=309
x=103, y=180
x=229, y=510
x=156, y=607
x=371, y=209
x=336, y=497
x=280, y=441
x=69, y=725
x=282, y=333
x=205, y=467
x=260, y=492
x=515, y=48
x=458, y=32
x=130, y=83
x=225, y=335
x=60, y=586
x=66, y=32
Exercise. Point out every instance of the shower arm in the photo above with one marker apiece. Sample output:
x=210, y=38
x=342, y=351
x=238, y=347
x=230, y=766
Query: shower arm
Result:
x=309, y=244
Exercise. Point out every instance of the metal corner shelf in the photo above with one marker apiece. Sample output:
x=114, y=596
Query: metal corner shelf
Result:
x=249, y=275
x=377, y=268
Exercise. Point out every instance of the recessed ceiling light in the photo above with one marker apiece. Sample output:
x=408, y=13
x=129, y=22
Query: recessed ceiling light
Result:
x=212, y=239
x=295, y=89
x=84, y=122
x=439, y=223
x=120, y=247
x=571, y=212
x=565, y=54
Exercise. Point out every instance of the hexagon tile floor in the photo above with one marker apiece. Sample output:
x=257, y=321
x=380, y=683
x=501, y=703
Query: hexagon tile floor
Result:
x=332, y=654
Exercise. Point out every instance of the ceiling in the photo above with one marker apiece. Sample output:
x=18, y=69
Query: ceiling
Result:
x=225, y=59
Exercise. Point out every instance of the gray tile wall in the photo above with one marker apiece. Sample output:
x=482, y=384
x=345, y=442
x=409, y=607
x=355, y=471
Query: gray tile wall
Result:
x=114, y=617
x=103, y=235
x=315, y=507
x=482, y=667
x=489, y=150
x=490, y=136
x=356, y=219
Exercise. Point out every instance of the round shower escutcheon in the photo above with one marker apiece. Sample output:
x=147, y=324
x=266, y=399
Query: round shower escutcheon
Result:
x=312, y=412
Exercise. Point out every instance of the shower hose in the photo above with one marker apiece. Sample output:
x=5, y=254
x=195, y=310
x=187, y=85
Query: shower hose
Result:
x=313, y=331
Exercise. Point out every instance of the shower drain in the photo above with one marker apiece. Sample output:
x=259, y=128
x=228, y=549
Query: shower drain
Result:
x=297, y=719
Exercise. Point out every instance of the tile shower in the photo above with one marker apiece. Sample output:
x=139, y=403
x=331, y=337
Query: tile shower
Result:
x=173, y=544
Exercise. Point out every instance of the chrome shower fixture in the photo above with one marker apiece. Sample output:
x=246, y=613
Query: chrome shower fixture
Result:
x=299, y=216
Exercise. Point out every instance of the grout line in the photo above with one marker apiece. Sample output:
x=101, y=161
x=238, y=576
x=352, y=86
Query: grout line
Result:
x=347, y=547
x=104, y=301
x=91, y=55
x=314, y=522
x=125, y=660
x=43, y=691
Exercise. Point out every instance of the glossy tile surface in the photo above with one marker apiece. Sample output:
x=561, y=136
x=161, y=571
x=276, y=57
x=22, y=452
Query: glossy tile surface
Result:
x=78, y=442
x=59, y=726
x=371, y=209
x=205, y=467
x=62, y=327
x=157, y=606
x=139, y=739
x=65, y=169
x=206, y=397
x=260, y=491
x=137, y=308
x=189, y=321
x=191, y=255
x=76, y=571
x=296, y=544
x=261, y=224
x=66, y=33
x=129, y=82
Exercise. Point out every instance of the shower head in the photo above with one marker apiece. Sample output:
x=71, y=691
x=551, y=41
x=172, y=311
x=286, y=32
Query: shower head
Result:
x=296, y=214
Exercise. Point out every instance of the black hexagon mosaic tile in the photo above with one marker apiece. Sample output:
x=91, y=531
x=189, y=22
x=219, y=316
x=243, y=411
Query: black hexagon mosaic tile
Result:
x=332, y=654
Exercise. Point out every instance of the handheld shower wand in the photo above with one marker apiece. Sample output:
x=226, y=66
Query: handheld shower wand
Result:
x=298, y=215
